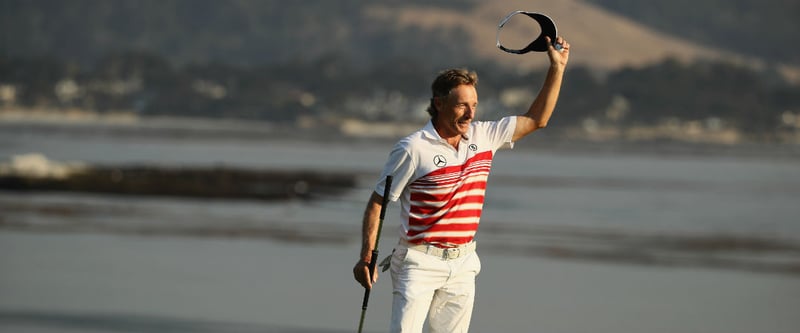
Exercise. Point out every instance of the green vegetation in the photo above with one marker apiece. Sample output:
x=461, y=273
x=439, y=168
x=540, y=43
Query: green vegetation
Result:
x=717, y=96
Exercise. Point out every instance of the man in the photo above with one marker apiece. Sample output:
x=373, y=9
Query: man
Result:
x=440, y=175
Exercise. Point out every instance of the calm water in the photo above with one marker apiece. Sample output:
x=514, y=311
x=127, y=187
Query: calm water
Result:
x=83, y=262
x=673, y=192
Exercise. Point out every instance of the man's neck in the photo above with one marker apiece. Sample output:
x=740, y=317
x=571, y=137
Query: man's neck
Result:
x=451, y=139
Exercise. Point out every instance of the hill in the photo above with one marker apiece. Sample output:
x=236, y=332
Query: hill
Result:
x=246, y=32
x=323, y=63
x=766, y=29
x=601, y=39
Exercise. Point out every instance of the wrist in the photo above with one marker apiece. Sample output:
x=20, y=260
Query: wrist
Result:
x=365, y=255
x=557, y=67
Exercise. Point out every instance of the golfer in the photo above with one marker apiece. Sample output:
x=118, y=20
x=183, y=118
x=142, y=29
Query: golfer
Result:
x=440, y=175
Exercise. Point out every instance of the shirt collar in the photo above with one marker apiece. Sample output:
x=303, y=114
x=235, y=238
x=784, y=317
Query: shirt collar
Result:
x=430, y=133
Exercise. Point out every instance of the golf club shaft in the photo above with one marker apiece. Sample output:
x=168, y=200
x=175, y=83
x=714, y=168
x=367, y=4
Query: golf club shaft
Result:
x=374, y=260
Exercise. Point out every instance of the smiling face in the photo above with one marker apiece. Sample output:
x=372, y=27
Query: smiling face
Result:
x=456, y=111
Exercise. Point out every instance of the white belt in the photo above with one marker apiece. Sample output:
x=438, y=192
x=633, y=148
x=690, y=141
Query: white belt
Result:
x=448, y=253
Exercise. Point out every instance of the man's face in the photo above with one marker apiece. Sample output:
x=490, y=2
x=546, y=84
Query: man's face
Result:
x=456, y=111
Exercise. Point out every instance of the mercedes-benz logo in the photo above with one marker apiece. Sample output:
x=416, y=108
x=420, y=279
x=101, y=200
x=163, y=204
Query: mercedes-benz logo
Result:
x=439, y=161
x=473, y=147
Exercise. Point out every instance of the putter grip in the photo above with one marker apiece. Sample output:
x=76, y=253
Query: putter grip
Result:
x=373, y=262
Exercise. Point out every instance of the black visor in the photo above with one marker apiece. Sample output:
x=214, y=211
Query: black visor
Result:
x=540, y=44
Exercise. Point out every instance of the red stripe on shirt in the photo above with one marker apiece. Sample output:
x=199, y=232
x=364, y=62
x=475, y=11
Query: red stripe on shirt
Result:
x=428, y=209
x=422, y=196
x=432, y=210
x=446, y=228
x=450, y=175
x=473, y=213
x=443, y=240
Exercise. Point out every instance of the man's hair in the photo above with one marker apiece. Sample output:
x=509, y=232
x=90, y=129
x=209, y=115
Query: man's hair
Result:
x=446, y=81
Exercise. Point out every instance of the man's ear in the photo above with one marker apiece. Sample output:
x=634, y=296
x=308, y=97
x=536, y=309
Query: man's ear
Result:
x=438, y=102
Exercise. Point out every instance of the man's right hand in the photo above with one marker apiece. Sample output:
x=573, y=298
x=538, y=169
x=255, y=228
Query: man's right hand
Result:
x=361, y=273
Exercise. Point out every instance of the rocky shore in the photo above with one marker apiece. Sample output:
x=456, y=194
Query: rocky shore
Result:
x=34, y=172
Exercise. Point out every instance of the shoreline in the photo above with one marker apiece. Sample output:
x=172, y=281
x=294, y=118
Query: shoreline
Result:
x=772, y=254
x=127, y=124
x=36, y=173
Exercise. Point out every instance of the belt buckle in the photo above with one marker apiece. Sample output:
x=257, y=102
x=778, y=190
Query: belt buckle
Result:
x=452, y=253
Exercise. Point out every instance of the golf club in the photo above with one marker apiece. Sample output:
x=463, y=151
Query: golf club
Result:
x=374, y=260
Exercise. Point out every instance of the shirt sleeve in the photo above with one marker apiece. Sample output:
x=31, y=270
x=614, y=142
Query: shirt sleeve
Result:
x=500, y=133
x=401, y=167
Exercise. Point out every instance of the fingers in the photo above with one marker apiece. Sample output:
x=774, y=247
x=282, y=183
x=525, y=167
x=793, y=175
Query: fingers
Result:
x=564, y=44
x=559, y=55
x=361, y=274
x=559, y=40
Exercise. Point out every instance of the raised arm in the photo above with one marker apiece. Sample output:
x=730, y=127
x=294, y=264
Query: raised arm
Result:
x=542, y=107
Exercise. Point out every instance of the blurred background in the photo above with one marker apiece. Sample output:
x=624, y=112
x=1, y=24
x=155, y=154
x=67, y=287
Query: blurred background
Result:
x=202, y=166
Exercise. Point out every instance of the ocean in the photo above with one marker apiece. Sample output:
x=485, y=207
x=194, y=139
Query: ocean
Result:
x=574, y=238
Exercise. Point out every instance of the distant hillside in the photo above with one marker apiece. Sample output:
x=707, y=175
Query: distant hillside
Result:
x=244, y=32
x=601, y=39
x=247, y=32
x=767, y=29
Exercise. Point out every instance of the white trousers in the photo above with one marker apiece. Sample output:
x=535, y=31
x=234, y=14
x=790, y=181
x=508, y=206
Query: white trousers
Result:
x=425, y=286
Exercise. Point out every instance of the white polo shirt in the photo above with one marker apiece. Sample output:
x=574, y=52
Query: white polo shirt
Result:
x=441, y=189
